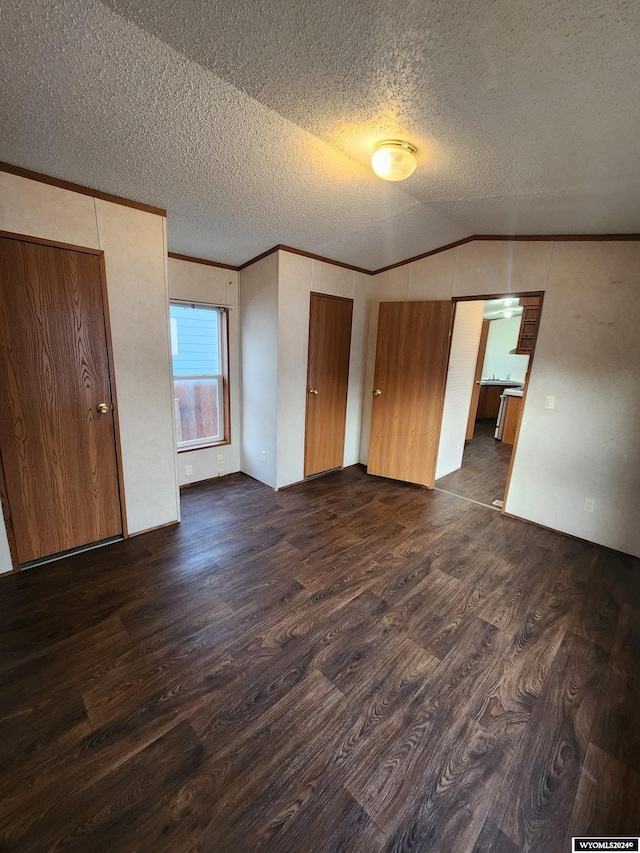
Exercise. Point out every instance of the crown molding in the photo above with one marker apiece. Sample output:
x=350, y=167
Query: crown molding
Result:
x=159, y=211
x=281, y=248
x=78, y=188
x=511, y=239
x=204, y=261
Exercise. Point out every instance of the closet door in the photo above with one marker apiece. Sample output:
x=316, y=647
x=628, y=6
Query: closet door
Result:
x=56, y=421
x=327, y=381
x=408, y=393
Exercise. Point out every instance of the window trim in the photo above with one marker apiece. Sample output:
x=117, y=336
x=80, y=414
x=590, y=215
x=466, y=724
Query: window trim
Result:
x=223, y=314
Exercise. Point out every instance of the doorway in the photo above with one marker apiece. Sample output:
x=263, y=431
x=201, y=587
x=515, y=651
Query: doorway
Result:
x=60, y=484
x=507, y=338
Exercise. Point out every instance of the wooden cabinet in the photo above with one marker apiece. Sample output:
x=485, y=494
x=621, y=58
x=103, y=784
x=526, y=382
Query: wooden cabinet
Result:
x=489, y=401
x=511, y=419
x=528, y=325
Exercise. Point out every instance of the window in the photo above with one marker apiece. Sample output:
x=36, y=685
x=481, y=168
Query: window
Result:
x=200, y=382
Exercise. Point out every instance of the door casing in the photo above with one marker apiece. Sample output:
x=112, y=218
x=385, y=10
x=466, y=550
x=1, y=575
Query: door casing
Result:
x=524, y=294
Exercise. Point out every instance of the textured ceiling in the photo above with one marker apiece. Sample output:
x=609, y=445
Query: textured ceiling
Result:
x=253, y=123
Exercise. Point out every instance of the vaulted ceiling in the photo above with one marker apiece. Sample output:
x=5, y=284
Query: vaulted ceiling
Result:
x=253, y=123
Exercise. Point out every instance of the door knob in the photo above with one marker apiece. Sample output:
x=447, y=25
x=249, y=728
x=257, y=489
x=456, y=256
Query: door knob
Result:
x=377, y=392
x=313, y=391
x=102, y=408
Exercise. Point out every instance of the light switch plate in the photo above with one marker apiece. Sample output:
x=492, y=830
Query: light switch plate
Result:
x=550, y=402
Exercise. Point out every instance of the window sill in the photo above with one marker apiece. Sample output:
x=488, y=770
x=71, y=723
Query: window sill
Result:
x=204, y=445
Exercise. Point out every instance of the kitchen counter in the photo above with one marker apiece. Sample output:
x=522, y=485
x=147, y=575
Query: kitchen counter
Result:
x=490, y=392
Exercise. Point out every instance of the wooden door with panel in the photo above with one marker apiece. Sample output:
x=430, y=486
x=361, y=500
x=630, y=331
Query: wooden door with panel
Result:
x=408, y=394
x=327, y=381
x=57, y=433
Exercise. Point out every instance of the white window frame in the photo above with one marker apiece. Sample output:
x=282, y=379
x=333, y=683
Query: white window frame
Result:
x=222, y=395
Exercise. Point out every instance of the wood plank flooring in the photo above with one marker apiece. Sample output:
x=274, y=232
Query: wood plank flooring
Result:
x=485, y=466
x=352, y=664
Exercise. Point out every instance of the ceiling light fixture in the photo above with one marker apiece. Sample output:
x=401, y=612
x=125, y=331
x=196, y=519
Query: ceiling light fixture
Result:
x=394, y=160
x=507, y=314
x=507, y=302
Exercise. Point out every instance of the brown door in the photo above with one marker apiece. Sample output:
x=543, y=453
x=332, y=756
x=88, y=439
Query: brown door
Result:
x=408, y=394
x=58, y=449
x=327, y=380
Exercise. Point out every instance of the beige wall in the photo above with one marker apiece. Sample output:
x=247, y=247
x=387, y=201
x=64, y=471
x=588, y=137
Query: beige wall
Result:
x=587, y=356
x=275, y=300
x=298, y=277
x=258, y=286
x=134, y=245
x=460, y=377
x=207, y=284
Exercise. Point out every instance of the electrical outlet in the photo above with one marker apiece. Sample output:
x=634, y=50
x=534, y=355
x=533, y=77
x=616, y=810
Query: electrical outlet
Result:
x=188, y=470
x=263, y=456
x=589, y=504
x=220, y=459
x=220, y=473
x=550, y=402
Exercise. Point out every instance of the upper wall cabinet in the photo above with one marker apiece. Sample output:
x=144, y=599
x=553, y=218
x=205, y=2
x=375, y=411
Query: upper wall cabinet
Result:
x=528, y=325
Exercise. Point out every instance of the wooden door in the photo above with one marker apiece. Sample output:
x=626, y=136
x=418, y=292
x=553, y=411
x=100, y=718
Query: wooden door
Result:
x=408, y=393
x=58, y=450
x=475, y=394
x=327, y=381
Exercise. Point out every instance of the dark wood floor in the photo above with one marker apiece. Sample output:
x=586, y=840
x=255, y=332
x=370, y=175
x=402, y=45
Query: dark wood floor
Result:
x=485, y=466
x=351, y=664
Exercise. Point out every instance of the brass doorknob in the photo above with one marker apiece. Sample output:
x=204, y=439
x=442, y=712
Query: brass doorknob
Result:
x=313, y=391
x=377, y=392
x=102, y=408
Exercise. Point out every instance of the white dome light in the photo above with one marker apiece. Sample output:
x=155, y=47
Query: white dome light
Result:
x=394, y=160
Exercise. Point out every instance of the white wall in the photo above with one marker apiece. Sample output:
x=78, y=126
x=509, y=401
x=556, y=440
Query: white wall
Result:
x=134, y=245
x=498, y=362
x=460, y=377
x=587, y=355
x=275, y=300
x=204, y=283
x=298, y=277
x=258, y=286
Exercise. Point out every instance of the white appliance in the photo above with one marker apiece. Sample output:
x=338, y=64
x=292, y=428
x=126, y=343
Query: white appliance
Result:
x=502, y=411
